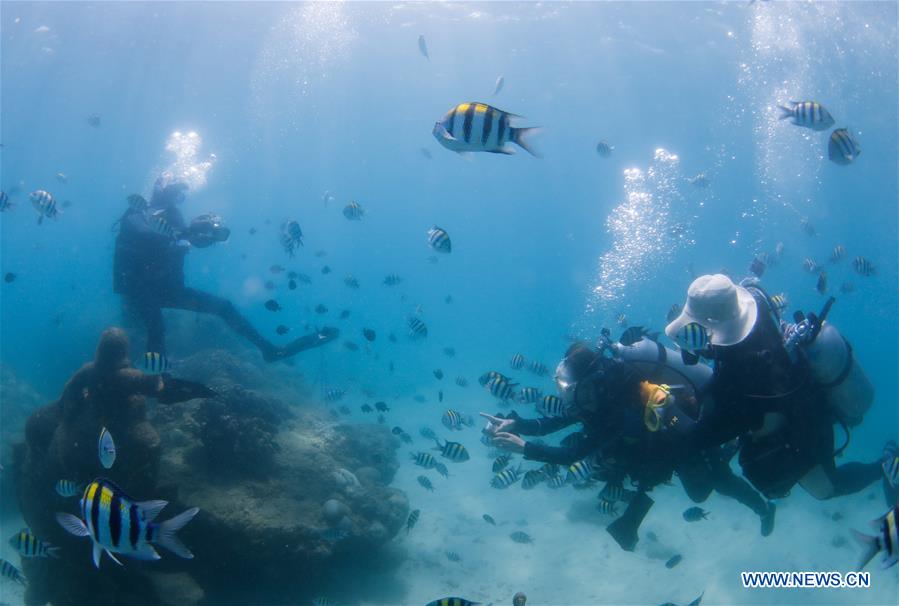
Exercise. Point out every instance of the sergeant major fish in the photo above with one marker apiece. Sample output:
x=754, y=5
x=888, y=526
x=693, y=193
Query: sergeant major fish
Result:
x=439, y=240
x=843, y=148
x=454, y=451
x=29, y=546
x=117, y=524
x=808, y=114
x=478, y=127
x=44, y=205
x=887, y=540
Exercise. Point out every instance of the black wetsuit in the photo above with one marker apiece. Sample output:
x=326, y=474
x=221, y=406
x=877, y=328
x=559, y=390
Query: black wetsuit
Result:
x=148, y=271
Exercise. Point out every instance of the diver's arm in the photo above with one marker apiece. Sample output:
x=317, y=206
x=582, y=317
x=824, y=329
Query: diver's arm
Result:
x=540, y=427
x=560, y=455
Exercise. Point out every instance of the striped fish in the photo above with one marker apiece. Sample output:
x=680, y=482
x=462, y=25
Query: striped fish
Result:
x=11, y=572
x=501, y=462
x=604, y=149
x=579, y=472
x=780, y=302
x=5, y=204
x=607, y=507
x=489, y=375
x=452, y=602
x=478, y=127
x=353, y=211
x=106, y=448
x=692, y=337
x=44, y=205
x=838, y=253
x=116, y=523
x=538, y=368
x=863, y=267
x=501, y=388
x=843, y=148
x=413, y=519
x=417, y=328
x=461, y=381
x=506, y=477
x=529, y=395
x=557, y=481
x=452, y=419
x=808, y=114
x=392, y=279
x=334, y=394
x=810, y=265
x=887, y=540
x=425, y=482
x=532, y=478
x=427, y=432
x=67, y=488
x=29, y=546
x=351, y=281
x=424, y=459
x=453, y=451
x=291, y=236
x=441, y=469
x=439, y=240
x=517, y=361
x=891, y=471
x=551, y=406
x=155, y=362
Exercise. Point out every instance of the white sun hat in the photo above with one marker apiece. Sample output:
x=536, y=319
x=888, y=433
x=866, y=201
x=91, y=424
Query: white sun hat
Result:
x=727, y=311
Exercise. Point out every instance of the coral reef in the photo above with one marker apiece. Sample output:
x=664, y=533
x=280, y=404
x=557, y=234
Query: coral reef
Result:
x=287, y=497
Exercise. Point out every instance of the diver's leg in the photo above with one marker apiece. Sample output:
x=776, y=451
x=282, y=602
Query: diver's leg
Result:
x=696, y=478
x=147, y=313
x=852, y=477
x=727, y=483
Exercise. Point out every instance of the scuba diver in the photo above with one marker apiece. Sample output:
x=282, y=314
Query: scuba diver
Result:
x=148, y=271
x=634, y=422
x=778, y=387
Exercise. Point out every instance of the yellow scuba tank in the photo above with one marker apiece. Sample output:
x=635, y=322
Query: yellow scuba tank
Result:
x=834, y=367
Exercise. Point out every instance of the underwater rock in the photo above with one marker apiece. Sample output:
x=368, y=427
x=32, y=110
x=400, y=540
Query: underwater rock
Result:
x=216, y=367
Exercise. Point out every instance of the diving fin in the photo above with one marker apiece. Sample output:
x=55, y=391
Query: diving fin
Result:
x=624, y=529
x=181, y=390
x=315, y=339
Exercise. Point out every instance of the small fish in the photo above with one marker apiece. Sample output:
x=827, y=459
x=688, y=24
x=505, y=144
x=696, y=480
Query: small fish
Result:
x=105, y=524
x=810, y=265
x=106, y=448
x=700, y=180
x=632, y=335
x=322, y=601
x=621, y=320
x=67, y=488
x=351, y=281
x=452, y=556
x=334, y=394
x=321, y=309
x=608, y=508
x=461, y=381
x=530, y=395
x=29, y=546
x=438, y=374
x=838, y=253
x=521, y=537
x=303, y=278
x=44, y=205
x=552, y=406
x=93, y=120
x=417, y=328
x=556, y=481
x=392, y=280
x=807, y=227
x=501, y=462
x=252, y=231
x=427, y=433
x=353, y=211
x=887, y=540
x=604, y=149
x=780, y=301
x=453, y=602
x=478, y=127
x=344, y=314
x=282, y=330
x=276, y=269
x=62, y=177
x=757, y=267
x=821, y=286
x=369, y=334
x=580, y=472
x=863, y=267
x=351, y=346
x=501, y=389
x=292, y=284
x=425, y=483
x=531, y=479
x=5, y=203
x=272, y=305
x=779, y=250
x=11, y=572
x=326, y=270
x=843, y=148
x=441, y=469
x=673, y=561
x=155, y=362
x=538, y=368
x=412, y=520
x=517, y=361
x=808, y=114
x=424, y=459
x=500, y=81
x=612, y=492
x=454, y=451
x=452, y=419
x=425, y=152
x=9, y=277
x=291, y=236
x=439, y=240
x=489, y=519
x=269, y=285
x=381, y=407
x=405, y=438
x=695, y=514
x=423, y=46
x=692, y=337
x=673, y=312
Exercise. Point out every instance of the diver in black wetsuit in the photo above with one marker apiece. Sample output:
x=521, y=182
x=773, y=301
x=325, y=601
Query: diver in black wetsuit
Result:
x=763, y=396
x=148, y=271
x=636, y=430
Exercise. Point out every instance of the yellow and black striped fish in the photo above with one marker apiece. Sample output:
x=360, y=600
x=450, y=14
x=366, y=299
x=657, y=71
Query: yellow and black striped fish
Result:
x=452, y=602
x=439, y=240
x=809, y=114
x=501, y=388
x=843, y=147
x=353, y=211
x=517, y=361
x=11, y=572
x=116, y=523
x=478, y=127
x=580, y=471
x=424, y=459
x=155, y=362
x=29, y=546
x=453, y=451
x=506, y=477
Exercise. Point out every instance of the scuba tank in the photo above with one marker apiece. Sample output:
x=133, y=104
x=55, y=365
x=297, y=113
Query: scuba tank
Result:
x=834, y=367
x=659, y=364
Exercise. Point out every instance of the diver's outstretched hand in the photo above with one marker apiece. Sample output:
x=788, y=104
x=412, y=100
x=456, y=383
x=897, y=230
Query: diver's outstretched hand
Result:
x=508, y=441
x=498, y=424
x=314, y=339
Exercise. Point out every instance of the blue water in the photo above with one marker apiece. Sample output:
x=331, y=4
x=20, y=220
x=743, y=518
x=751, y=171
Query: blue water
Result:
x=296, y=100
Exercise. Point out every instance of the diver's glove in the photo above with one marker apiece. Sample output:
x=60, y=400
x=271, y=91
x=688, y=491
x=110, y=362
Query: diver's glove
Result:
x=180, y=390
